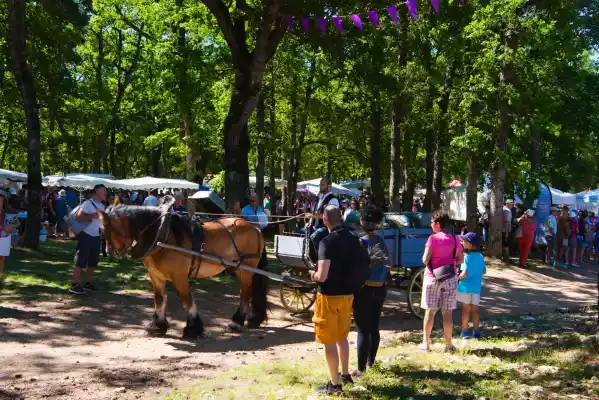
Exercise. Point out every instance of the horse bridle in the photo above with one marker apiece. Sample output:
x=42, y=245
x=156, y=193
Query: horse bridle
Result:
x=129, y=243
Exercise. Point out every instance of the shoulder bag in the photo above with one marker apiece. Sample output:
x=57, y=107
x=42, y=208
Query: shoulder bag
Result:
x=447, y=271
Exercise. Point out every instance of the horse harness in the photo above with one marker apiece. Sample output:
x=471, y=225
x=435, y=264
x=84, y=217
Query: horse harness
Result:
x=196, y=261
x=161, y=235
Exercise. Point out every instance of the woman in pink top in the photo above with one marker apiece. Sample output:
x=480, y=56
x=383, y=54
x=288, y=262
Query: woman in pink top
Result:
x=529, y=227
x=439, y=251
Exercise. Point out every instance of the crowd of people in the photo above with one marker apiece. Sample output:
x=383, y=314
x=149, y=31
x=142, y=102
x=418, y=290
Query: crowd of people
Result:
x=567, y=238
x=444, y=286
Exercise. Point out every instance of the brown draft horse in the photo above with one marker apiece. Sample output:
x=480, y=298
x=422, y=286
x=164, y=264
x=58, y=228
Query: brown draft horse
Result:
x=136, y=229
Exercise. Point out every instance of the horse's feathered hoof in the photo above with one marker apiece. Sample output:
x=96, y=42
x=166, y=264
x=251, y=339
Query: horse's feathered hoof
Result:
x=157, y=327
x=253, y=325
x=194, y=328
x=235, y=327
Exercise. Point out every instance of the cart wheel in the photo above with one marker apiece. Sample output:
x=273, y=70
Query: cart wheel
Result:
x=415, y=293
x=297, y=299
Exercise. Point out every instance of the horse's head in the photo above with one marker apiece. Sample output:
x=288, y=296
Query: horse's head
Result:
x=134, y=230
x=117, y=231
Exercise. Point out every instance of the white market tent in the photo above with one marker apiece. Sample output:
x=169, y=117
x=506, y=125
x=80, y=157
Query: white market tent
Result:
x=83, y=182
x=280, y=183
x=313, y=187
x=149, y=183
x=559, y=197
x=12, y=175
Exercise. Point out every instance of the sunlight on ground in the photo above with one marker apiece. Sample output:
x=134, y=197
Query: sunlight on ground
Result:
x=509, y=364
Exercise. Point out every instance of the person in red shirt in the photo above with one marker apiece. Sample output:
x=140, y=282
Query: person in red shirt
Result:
x=528, y=227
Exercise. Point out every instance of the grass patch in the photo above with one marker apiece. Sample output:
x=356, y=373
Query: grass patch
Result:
x=535, y=366
x=47, y=273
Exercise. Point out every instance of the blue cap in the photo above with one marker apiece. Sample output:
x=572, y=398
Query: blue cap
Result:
x=472, y=238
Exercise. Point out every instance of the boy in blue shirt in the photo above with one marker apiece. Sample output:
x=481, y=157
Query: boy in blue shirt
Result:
x=470, y=284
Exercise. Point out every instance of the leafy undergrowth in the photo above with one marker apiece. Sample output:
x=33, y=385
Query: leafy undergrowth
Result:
x=543, y=357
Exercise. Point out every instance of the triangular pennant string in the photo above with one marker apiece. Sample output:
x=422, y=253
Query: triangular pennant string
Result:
x=435, y=4
x=357, y=21
x=393, y=14
x=338, y=21
x=305, y=23
x=289, y=22
x=412, y=8
x=322, y=23
x=374, y=18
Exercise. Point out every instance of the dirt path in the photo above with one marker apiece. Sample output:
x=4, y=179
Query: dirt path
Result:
x=95, y=346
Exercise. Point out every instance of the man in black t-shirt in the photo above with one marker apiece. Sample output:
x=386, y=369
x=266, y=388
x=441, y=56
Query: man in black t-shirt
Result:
x=333, y=307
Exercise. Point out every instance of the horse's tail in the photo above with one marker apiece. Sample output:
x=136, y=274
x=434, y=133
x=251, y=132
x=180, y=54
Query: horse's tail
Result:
x=259, y=309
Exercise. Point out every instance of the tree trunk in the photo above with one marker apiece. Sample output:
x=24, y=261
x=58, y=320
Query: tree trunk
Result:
x=329, y=163
x=6, y=144
x=375, y=156
x=395, y=180
x=273, y=130
x=122, y=85
x=507, y=76
x=17, y=40
x=289, y=170
x=400, y=106
x=408, y=195
x=156, y=155
x=249, y=72
x=471, y=195
x=100, y=156
x=260, y=157
x=285, y=196
x=430, y=168
x=535, y=153
x=183, y=91
x=303, y=123
x=441, y=139
x=409, y=185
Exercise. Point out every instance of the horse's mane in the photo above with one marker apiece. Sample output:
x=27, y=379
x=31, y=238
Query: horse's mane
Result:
x=140, y=217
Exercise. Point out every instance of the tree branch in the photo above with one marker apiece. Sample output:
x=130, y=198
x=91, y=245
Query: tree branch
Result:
x=234, y=33
x=131, y=24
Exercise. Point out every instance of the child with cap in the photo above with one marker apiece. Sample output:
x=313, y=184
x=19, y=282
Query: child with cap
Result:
x=470, y=284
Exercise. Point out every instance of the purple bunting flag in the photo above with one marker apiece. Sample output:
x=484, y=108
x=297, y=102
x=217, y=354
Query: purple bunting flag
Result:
x=412, y=8
x=435, y=4
x=305, y=23
x=338, y=23
x=393, y=14
x=322, y=23
x=374, y=18
x=289, y=22
x=357, y=21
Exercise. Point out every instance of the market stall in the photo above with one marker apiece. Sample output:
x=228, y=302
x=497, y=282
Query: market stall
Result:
x=209, y=202
x=150, y=183
x=314, y=184
x=588, y=200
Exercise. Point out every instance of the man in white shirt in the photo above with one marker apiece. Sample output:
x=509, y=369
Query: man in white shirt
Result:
x=325, y=198
x=151, y=200
x=88, y=246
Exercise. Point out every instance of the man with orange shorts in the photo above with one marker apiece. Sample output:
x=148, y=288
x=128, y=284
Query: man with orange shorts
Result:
x=333, y=307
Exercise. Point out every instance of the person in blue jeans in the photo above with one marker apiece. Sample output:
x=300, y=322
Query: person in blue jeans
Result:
x=470, y=284
x=369, y=300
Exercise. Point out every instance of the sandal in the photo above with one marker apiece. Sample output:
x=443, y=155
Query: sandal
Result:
x=424, y=347
x=450, y=349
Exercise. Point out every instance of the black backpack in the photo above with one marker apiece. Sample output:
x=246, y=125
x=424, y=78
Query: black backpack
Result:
x=358, y=269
